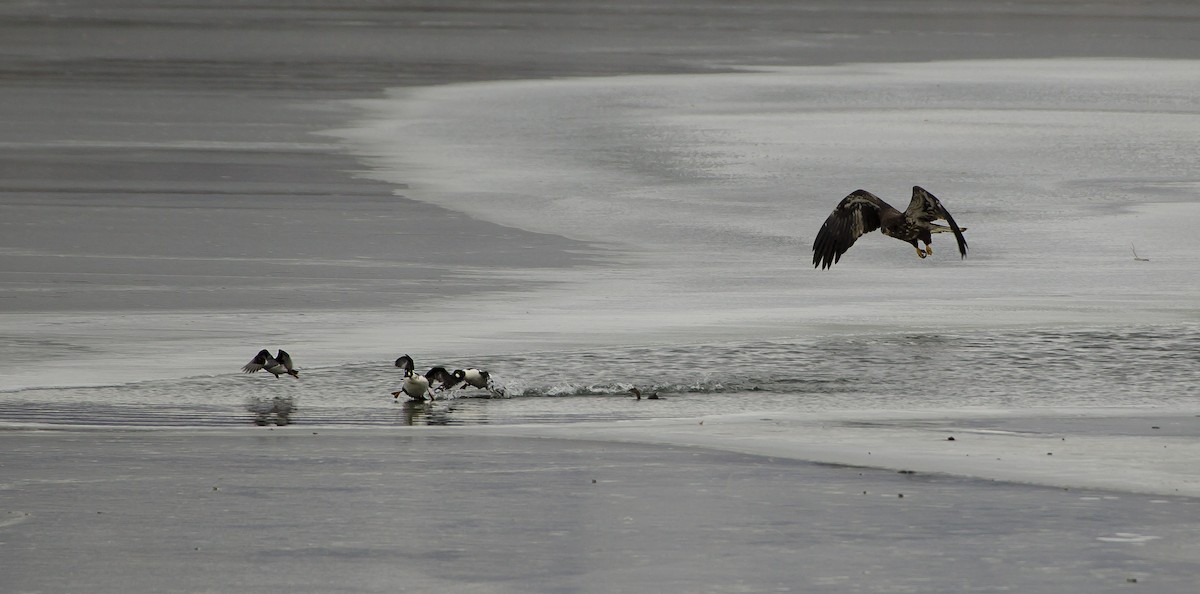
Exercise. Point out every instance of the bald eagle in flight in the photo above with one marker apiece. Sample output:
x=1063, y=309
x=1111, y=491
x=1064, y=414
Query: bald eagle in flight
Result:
x=862, y=212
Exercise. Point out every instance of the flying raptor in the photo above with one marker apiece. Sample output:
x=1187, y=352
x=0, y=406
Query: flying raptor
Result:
x=863, y=212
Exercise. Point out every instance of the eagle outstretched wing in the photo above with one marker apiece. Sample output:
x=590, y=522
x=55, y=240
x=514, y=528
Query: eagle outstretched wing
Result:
x=854, y=216
x=926, y=207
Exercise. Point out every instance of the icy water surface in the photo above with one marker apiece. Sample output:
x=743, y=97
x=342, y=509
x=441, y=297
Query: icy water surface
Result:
x=1012, y=369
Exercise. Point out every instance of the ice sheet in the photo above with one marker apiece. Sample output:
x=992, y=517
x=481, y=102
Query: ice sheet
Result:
x=712, y=187
x=1128, y=450
x=316, y=510
x=704, y=193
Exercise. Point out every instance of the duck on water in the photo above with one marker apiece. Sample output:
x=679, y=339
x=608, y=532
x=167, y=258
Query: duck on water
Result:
x=278, y=365
x=651, y=396
x=440, y=379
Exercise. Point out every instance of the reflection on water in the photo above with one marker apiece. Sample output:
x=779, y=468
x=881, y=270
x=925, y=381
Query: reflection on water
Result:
x=1143, y=366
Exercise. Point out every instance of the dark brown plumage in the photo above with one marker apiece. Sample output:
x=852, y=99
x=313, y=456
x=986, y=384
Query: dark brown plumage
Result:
x=863, y=212
x=442, y=376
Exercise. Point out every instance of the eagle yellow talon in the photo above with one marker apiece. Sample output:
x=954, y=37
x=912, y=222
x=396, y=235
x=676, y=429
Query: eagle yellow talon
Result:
x=920, y=254
x=928, y=250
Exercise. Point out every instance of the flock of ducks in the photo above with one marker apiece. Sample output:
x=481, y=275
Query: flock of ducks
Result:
x=418, y=387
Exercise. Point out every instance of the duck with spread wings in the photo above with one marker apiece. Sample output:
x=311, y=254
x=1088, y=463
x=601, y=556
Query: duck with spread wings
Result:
x=417, y=386
x=278, y=365
x=862, y=212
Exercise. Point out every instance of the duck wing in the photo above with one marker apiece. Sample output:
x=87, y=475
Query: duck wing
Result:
x=286, y=359
x=261, y=360
x=405, y=362
x=441, y=376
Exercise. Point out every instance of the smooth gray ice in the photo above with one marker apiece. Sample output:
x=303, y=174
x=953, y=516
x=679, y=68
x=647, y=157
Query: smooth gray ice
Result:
x=364, y=511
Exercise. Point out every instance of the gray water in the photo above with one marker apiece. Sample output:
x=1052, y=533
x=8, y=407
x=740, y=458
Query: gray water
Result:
x=1152, y=366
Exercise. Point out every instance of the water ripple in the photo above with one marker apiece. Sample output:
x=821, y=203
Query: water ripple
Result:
x=1140, y=366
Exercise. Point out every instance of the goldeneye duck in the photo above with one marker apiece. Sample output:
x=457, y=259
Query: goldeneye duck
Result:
x=280, y=364
x=473, y=377
x=439, y=375
x=415, y=386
